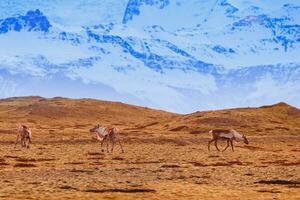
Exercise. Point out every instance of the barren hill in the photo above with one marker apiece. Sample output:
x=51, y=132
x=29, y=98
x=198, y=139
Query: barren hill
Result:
x=81, y=113
x=280, y=118
x=62, y=113
x=165, y=157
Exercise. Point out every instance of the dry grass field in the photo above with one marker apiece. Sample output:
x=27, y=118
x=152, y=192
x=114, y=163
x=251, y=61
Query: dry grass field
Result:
x=165, y=157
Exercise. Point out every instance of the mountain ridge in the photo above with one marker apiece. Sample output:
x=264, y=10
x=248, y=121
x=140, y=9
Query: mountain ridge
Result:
x=253, y=55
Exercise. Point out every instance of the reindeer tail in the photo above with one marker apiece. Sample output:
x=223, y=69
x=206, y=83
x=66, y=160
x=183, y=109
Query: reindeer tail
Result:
x=210, y=132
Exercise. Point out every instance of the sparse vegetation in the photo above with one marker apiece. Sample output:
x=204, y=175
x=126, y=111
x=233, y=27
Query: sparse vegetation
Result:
x=166, y=154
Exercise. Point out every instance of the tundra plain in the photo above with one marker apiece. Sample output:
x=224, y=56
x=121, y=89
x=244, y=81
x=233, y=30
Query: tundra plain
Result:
x=165, y=157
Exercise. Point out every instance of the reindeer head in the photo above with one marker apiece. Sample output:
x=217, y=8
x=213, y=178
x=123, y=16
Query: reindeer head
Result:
x=95, y=129
x=245, y=140
x=23, y=127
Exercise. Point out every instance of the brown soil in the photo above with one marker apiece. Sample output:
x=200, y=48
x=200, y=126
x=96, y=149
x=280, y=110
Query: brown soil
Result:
x=165, y=157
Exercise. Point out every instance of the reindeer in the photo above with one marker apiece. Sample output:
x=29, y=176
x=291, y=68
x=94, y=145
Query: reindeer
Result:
x=226, y=134
x=24, y=133
x=107, y=135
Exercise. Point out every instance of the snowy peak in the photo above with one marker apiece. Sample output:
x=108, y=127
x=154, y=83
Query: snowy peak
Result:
x=208, y=14
x=31, y=21
x=134, y=6
x=178, y=55
x=283, y=31
x=229, y=9
x=173, y=14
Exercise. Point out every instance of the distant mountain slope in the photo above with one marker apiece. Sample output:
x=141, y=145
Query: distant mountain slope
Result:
x=214, y=54
x=83, y=113
x=280, y=118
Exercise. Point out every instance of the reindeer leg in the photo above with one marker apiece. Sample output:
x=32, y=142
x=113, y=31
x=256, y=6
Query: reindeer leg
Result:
x=119, y=141
x=30, y=140
x=208, y=146
x=18, y=136
x=216, y=144
x=102, y=145
x=22, y=141
x=231, y=145
x=102, y=141
x=227, y=145
x=112, y=145
x=107, y=144
x=121, y=145
x=27, y=142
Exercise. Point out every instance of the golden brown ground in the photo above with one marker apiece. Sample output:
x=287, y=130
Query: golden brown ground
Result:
x=166, y=154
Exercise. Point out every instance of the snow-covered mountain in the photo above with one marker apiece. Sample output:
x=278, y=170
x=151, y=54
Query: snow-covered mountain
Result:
x=176, y=55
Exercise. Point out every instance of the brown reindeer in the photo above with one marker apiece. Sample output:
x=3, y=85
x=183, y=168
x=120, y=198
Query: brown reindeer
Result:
x=107, y=135
x=226, y=134
x=25, y=135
